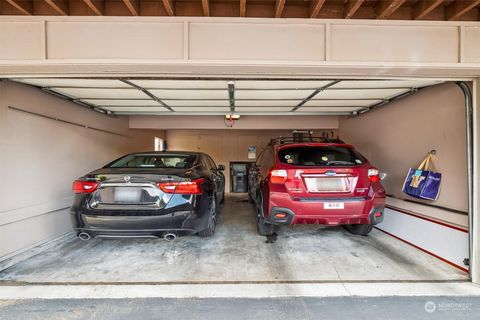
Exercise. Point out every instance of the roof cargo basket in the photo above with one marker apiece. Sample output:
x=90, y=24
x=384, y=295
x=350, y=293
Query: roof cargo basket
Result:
x=295, y=139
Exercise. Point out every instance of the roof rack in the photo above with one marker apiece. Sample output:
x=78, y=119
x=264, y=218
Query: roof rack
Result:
x=290, y=140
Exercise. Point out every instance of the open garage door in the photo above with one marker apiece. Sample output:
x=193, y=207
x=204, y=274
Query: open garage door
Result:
x=56, y=141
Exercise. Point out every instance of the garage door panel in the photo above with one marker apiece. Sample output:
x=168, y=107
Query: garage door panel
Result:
x=340, y=103
x=364, y=84
x=272, y=94
x=201, y=109
x=136, y=109
x=197, y=103
x=190, y=94
x=131, y=103
x=89, y=83
x=328, y=109
x=359, y=94
x=280, y=84
x=267, y=103
x=181, y=84
x=101, y=93
x=263, y=109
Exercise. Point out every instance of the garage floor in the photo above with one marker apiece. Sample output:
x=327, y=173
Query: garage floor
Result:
x=235, y=254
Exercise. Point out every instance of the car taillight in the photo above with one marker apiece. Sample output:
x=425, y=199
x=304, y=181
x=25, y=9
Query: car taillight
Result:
x=80, y=186
x=373, y=175
x=182, y=187
x=278, y=176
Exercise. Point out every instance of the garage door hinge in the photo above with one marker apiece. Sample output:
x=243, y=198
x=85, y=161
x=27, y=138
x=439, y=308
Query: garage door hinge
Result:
x=466, y=262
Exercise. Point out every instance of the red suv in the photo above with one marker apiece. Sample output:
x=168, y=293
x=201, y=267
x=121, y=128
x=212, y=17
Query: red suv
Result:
x=321, y=181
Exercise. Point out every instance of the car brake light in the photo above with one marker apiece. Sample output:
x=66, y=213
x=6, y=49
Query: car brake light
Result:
x=373, y=175
x=182, y=187
x=278, y=176
x=80, y=186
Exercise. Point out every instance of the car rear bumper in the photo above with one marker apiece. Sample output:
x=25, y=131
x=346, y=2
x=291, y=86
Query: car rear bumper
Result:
x=285, y=210
x=186, y=218
x=180, y=223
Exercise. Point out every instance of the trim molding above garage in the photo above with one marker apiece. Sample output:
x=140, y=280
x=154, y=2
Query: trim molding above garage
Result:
x=196, y=45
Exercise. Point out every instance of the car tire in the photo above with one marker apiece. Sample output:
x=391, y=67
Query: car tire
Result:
x=250, y=198
x=359, y=229
x=212, y=220
x=222, y=201
x=263, y=228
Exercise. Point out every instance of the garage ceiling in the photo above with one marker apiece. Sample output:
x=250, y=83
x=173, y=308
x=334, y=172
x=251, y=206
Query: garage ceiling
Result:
x=324, y=9
x=214, y=96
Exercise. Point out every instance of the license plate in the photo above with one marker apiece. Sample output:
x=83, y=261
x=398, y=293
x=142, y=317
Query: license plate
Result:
x=127, y=195
x=333, y=205
x=327, y=184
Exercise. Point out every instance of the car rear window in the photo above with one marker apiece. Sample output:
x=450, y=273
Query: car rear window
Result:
x=154, y=161
x=320, y=156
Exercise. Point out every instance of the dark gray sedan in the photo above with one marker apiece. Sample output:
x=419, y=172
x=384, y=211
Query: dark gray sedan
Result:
x=149, y=194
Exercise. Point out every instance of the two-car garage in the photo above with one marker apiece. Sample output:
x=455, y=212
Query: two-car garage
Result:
x=67, y=109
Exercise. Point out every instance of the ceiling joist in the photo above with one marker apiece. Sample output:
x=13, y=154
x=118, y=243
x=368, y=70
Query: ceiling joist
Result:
x=169, y=7
x=423, y=8
x=315, y=7
x=93, y=7
x=279, y=8
x=59, y=7
x=351, y=7
x=458, y=8
x=132, y=6
x=22, y=9
x=243, y=8
x=443, y=10
x=386, y=8
x=206, y=8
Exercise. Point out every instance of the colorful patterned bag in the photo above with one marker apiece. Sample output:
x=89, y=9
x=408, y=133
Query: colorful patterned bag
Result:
x=423, y=183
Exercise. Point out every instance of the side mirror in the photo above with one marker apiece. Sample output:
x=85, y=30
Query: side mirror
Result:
x=221, y=167
x=382, y=175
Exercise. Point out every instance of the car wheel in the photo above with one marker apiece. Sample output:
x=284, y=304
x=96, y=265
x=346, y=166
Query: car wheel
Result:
x=263, y=228
x=359, y=229
x=212, y=221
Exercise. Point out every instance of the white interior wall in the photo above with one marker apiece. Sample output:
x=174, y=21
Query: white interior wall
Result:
x=397, y=137
x=39, y=159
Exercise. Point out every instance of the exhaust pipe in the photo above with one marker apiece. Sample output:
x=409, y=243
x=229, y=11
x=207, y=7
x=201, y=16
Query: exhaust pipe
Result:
x=84, y=236
x=170, y=236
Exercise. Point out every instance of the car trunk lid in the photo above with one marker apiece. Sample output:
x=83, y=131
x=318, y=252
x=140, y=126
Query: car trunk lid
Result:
x=120, y=189
x=327, y=182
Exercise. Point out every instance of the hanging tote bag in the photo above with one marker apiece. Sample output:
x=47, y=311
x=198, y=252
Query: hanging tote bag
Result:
x=423, y=182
